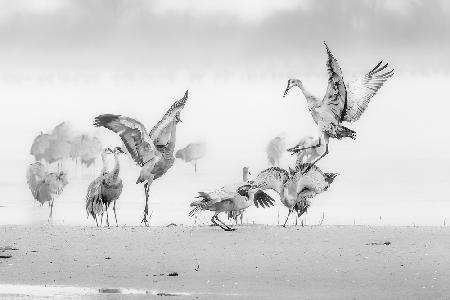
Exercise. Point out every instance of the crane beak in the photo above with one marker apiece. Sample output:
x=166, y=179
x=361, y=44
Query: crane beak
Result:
x=120, y=150
x=286, y=91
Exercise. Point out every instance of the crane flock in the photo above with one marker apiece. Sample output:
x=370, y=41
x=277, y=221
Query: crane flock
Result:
x=153, y=151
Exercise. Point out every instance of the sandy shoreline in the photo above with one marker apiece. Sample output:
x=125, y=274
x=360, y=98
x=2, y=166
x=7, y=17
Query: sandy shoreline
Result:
x=254, y=261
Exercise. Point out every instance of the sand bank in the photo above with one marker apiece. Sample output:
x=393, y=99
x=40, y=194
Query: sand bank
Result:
x=253, y=262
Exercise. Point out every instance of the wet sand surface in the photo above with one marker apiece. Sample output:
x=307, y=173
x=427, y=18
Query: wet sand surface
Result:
x=254, y=262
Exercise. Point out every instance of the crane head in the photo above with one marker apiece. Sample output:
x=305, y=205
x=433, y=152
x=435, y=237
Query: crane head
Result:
x=118, y=150
x=292, y=83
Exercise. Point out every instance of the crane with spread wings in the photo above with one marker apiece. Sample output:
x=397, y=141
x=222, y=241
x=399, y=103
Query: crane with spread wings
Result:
x=153, y=151
x=342, y=101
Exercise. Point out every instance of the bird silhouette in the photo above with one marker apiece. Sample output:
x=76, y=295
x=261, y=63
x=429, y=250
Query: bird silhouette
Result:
x=234, y=197
x=275, y=149
x=45, y=186
x=85, y=149
x=153, y=151
x=342, y=102
x=192, y=152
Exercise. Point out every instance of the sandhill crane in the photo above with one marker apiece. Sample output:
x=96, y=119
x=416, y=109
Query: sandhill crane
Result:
x=40, y=147
x=233, y=197
x=273, y=178
x=59, y=151
x=293, y=187
x=107, y=188
x=275, y=149
x=153, y=151
x=192, y=152
x=86, y=149
x=94, y=203
x=342, y=102
x=305, y=182
x=45, y=186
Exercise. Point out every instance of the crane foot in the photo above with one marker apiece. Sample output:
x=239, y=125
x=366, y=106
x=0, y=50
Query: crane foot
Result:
x=144, y=220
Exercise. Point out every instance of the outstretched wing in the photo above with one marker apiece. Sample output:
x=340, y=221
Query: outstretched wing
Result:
x=133, y=134
x=362, y=90
x=335, y=101
x=310, y=178
x=162, y=129
x=271, y=178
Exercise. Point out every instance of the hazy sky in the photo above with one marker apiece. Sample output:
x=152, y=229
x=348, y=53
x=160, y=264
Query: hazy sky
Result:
x=223, y=35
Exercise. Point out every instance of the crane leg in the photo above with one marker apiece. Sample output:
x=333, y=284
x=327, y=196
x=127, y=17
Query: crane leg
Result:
x=144, y=220
x=295, y=150
x=284, y=225
x=51, y=209
x=225, y=226
x=115, y=216
x=320, y=157
x=107, y=216
x=213, y=220
x=195, y=166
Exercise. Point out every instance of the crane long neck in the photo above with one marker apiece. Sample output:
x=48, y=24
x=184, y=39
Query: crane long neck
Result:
x=116, y=170
x=310, y=98
x=245, y=175
x=104, y=162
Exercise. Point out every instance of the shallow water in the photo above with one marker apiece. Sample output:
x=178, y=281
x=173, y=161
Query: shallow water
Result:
x=360, y=200
x=75, y=292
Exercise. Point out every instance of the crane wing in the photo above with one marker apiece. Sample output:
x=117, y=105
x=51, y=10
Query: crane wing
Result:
x=309, y=177
x=36, y=173
x=133, y=134
x=363, y=89
x=334, y=103
x=94, y=204
x=262, y=199
x=271, y=178
x=159, y=133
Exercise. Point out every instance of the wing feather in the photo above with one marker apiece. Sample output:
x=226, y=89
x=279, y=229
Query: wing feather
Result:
x=334, y=103
x=363, y=89
x=163, y=126
x=133, y=134
x=94, y=204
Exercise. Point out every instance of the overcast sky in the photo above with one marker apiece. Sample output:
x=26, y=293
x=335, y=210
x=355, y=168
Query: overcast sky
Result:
x=222, y=35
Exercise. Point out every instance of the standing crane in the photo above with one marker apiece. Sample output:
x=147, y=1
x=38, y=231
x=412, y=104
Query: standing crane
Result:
x=342, y=102
x=45, y=186
x=192, y=152
x=106, y=189
x=153, y=151
x=275, y=149
x=94, y=203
